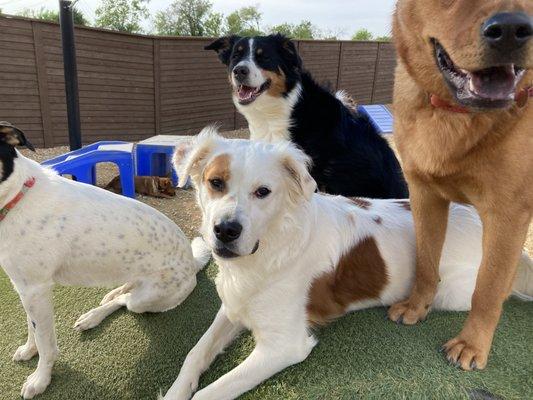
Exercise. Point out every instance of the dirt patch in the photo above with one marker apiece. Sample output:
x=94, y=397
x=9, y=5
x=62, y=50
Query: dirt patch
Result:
x=181, y=209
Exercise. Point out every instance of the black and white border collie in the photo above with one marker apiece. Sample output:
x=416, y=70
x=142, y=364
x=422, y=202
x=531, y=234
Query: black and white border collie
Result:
x=281, y=101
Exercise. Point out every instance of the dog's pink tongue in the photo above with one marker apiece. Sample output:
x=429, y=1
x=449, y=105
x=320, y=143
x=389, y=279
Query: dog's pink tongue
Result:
x=245, y=92
x=496, y=83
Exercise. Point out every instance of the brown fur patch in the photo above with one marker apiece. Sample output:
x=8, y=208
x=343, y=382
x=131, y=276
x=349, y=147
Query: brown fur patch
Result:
x=361, y=203
x=405, y=204
x=278, y=85
x=361, y=274
x=218, y=168
x=378, y=220
x=11, y=136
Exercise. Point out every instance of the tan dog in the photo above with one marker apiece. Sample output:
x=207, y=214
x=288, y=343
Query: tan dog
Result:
x=464, y=129
x=153, y=186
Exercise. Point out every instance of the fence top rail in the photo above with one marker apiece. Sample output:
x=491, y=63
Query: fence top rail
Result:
x=150, y=36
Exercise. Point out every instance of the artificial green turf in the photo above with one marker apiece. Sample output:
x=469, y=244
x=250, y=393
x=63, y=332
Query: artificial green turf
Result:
x=360, y=356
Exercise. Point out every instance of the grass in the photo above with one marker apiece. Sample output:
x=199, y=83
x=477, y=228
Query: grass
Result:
x=360, y=356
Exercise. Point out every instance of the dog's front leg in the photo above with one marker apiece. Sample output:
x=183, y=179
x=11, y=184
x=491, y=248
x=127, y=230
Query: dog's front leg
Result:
x=28, y=350
x=430, y=213
x=221, y=333
x=37, y=302
x=503, y=237
x=265, y=361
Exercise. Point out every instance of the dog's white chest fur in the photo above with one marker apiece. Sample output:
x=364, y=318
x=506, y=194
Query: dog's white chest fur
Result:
x=269, y=118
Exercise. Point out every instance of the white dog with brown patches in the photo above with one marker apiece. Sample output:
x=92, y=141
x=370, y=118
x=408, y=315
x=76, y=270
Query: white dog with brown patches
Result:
x=57, y=231
x=290, y=258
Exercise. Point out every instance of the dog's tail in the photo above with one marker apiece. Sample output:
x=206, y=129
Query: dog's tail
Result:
x=200, y=252
x=523, y=284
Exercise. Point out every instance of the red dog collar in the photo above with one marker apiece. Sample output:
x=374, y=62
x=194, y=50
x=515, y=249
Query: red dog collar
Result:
x=521, y=100
x=9, y=206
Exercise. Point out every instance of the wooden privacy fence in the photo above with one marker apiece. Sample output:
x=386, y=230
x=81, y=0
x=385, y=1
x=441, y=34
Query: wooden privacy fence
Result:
x=135, y=86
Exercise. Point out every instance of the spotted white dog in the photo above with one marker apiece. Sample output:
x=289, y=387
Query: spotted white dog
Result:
x=56, y=230
x=290, y=258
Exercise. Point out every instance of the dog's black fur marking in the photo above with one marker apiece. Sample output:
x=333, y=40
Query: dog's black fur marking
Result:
x=349, y=157
x=10, y=136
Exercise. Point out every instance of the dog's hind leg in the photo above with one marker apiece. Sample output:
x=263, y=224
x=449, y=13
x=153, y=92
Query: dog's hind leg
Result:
x=28, y=350
x=147, y=296
x=37, y=302
x=94, y=317
x=157, y=296
x=116, y=292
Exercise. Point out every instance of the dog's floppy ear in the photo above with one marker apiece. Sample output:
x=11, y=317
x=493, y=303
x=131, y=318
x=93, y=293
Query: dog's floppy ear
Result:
x=296, y=165
x=289, y=51
x=13, y=136
x=223, y=46
x=190, y=156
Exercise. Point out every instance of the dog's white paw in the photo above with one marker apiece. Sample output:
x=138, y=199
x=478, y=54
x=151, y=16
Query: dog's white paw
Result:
x=89, y=320
x=35, y=384
x=182, y=389
x=25, y=352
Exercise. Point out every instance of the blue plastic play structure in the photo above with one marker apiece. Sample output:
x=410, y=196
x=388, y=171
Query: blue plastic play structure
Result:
x=380, y=117
x=155, y=160
x=154, y=156
x=81, y=164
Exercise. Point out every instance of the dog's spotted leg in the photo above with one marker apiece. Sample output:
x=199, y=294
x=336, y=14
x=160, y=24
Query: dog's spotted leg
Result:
x=221, y=333
x=503, y=238
x=37, y=302
x=430, y=213
x=28, y=350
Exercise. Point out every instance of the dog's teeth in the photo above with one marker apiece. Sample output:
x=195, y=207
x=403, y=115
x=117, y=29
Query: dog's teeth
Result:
x=471, y=86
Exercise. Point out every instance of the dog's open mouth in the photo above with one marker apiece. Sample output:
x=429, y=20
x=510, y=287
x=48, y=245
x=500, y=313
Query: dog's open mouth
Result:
x=493, y=87
x=248, y=94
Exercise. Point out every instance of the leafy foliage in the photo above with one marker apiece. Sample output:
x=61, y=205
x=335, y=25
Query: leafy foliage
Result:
x=362, y=34
x=122, y=15
x=186, y=18
x=245, y=22
x=46, y=14
x=195, y=18
x=303, y=30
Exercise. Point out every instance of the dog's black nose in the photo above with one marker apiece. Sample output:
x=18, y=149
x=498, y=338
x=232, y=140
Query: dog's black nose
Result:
x=241, y=72
x=228, y=231
x=507, y=32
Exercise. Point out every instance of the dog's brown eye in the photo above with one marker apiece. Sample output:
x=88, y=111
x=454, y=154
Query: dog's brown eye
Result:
x=217, y=184
x=262, y=192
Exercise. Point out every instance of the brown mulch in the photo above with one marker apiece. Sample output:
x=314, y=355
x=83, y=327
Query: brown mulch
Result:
x=181, y=209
